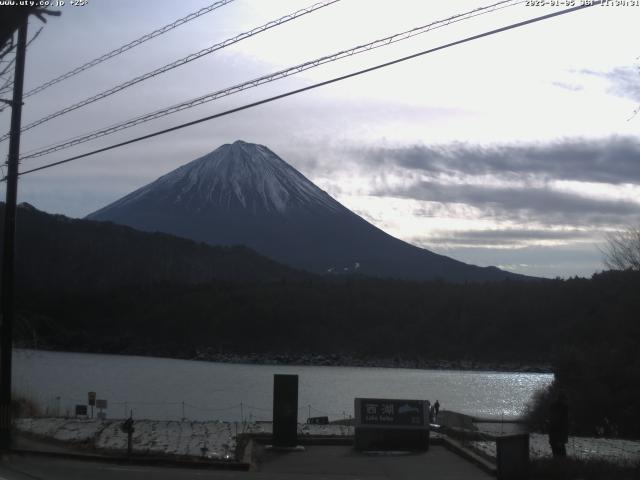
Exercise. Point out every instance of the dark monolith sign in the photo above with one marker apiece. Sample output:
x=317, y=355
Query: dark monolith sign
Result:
x=285, y=410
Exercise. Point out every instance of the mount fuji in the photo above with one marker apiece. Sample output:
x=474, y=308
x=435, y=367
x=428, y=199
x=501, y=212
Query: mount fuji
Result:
x=244, y=194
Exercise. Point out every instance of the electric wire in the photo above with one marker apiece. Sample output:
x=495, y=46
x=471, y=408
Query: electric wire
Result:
x=319, y=84
x=177, y=63
x=128, y=46
x=268, y=78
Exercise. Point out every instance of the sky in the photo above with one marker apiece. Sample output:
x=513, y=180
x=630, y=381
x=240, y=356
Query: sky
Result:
x=519, y=150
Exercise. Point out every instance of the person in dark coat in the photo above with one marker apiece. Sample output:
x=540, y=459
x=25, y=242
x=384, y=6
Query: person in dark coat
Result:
x=436, y=409
x=559, y=426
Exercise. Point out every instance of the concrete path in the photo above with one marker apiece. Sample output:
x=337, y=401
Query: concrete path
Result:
x=315, y=463
x=337, y=462
x=24, y=442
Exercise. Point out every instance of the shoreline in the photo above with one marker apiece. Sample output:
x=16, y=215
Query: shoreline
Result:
x=321, y=360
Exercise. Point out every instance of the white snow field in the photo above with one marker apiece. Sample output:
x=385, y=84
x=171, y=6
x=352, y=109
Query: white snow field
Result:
x=594, y=448
x=187, y=438
x=161, y=437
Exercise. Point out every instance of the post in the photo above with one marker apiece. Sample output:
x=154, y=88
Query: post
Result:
x=183, y=417
x=8, y=254
x=91, y=400
x=129, y=442
x=128, y=428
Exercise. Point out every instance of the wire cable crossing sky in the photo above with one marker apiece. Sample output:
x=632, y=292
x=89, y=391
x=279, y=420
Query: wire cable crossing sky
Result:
x=128, y=46
x=310, y=87
x=178, y=63
x=253, y=83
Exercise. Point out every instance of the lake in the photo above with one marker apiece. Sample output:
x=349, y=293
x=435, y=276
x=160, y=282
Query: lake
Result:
x=168, y=389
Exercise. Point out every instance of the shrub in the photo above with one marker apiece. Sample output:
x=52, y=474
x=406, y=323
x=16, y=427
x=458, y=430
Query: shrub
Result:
x=22, y=406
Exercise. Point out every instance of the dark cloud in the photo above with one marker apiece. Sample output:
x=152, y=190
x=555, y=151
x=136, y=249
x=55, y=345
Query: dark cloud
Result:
x=523, y=204
x=625, y=81
x=507, y=237
x=615, y=160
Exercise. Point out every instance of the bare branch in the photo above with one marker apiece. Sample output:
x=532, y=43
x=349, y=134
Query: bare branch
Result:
x=622, y=251
x=35, y=35
x=41, y=12
x=8, y=66
x=7, y=48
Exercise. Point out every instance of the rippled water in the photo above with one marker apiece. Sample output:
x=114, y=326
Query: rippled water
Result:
x=163, y=388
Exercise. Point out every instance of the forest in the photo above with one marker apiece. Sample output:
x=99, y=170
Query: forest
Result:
x=587, y=329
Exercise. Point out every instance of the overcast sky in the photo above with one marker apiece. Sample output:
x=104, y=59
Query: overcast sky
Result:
x=518, y=150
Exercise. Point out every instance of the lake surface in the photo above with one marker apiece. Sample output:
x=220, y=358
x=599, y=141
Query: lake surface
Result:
x=168, y=389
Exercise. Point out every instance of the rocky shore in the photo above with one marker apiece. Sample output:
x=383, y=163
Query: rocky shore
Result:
x=307, y=359
x=335, y=360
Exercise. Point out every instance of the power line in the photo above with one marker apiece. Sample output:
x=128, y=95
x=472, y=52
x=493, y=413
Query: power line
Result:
x=6, y=87
x=269, y=78
x=320, y=84
x=178, y=63
x=128, y=46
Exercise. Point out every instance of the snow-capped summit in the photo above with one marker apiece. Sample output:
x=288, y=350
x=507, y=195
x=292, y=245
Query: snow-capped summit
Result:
x=240, y=175
x=243, y=193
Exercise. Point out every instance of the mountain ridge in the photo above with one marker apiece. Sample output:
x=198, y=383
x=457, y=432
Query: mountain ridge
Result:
x=243, y=193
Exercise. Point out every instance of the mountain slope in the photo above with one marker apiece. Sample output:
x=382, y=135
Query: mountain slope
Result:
x=55, y=252
x=244, y=194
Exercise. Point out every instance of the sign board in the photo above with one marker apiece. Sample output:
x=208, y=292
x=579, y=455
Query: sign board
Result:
x=101, y=404
x=92, y=398
x=81, y=410
x=391, y=412
x=391, y=424
x=318, y=421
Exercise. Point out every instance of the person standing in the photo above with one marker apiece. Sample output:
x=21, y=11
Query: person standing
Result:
x=436, y=409
x=559, y=425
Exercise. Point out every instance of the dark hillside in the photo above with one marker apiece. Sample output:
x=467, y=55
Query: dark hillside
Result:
x=55, y=252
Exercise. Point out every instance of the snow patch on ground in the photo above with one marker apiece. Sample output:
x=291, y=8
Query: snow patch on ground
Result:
x=188, y=438
x=161, y=437
x=593, y=448
x=172, y=438
x=62, y=429
x=304, y=429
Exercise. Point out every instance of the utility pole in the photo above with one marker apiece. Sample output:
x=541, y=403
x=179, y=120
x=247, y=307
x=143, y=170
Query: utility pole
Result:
x=8, y=254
